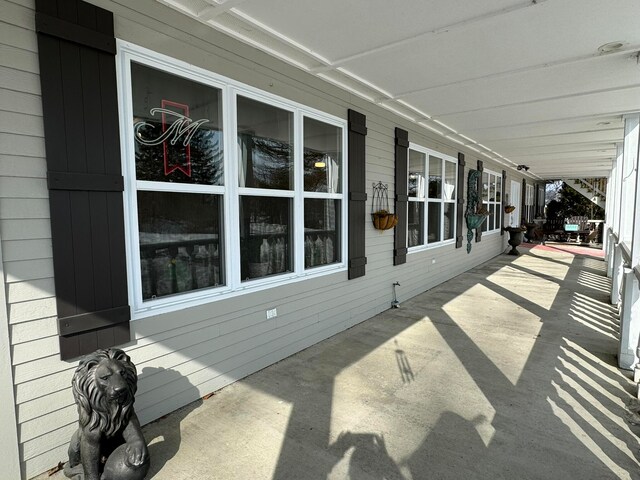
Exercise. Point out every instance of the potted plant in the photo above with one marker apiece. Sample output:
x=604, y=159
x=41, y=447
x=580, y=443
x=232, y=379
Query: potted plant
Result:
x=515, y=238
x=384, y=220
x=381, y=217
x=477, y=218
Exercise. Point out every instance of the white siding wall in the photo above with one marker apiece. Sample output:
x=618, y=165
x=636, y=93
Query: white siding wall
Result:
x=184, y=355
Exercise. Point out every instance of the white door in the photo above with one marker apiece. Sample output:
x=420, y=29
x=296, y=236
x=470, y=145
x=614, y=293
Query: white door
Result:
x=514, y=217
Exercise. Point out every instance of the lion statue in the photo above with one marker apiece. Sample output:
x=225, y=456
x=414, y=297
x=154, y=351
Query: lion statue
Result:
x=108, y=444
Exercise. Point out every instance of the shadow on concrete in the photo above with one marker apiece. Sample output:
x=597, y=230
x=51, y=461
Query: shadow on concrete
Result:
x=560, y=414
x=164, y=437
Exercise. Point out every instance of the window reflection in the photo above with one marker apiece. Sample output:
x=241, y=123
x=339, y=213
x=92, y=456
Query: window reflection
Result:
x=415, y=230
x=321, y=232
x=433, y=222
x=265, y=236
x=449, y=181
x=180, y=247
x=416, y=186
x=177, y=128
x=322, y=157
x=265, y=145
x=449, y=220
x=435, y=177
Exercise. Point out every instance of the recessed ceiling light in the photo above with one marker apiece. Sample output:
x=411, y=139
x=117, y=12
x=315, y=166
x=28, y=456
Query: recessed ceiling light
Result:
x=610, y=47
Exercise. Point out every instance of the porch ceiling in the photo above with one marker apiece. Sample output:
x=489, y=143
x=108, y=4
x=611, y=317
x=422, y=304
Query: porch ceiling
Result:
x=519, y=81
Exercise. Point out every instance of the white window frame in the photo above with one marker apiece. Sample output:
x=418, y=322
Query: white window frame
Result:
x=231, y=191
x=425, y=200
x=496, y=203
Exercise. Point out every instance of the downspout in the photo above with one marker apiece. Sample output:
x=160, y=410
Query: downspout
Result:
x=8, y=419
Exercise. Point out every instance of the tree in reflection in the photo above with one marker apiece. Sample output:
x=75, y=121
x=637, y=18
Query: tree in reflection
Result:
x=206, y=157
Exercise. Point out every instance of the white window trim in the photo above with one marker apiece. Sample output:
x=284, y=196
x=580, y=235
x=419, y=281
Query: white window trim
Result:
x=127, y=52
x=425, y=199
x=498, y=205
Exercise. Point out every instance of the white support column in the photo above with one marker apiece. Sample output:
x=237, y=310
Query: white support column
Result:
x=8, y=421
x=617, y=274
x=629, y=321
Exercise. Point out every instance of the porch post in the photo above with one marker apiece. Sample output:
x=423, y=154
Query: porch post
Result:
x=8, y=421
x=629, y=320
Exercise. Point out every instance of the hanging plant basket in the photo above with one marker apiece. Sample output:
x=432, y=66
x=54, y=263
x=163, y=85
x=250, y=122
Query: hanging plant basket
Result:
x=381, y=217
x=509, y=208
x=384, y=220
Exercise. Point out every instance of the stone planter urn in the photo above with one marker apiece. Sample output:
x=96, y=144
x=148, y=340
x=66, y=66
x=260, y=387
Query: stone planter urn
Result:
x=515, y=238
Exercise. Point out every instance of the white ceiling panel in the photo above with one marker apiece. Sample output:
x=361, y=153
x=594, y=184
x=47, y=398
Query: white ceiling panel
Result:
x=569, y=107
x=337, y=29
x=602, y=73
x=523, y=78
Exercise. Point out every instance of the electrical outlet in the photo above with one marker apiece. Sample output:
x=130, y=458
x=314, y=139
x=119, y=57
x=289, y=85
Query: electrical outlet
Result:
x=272, y=313
x=433, y=260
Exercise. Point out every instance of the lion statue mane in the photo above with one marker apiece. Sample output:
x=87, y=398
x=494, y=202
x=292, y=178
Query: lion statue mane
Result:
x=108, y=444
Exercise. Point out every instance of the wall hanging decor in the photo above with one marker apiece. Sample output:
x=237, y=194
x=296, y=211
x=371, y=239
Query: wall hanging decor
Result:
x=381, y=217
x=476, y=213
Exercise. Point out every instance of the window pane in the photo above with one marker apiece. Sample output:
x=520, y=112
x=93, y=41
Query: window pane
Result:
x=265, y=145
x=415, y=235
x=449, y=181
x=266, y=231
x=321, y=232
x=485, y=224
x=498, y=217
x=416, y=184
x=449, y=220
x=485, y=187
x=180, y=242
x=491, y=218
x=492, y=188
x=433, y=222
x=322, y=157
x=177, y=127
x=498, y=189
x=435, y=177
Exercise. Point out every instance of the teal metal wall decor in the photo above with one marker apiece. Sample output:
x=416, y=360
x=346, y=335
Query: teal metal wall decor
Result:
x=476, y=215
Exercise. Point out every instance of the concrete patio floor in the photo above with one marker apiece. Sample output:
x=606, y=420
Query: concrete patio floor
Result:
x=506, y=371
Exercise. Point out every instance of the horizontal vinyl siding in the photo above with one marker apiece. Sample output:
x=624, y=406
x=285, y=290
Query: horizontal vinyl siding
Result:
x=183, y=355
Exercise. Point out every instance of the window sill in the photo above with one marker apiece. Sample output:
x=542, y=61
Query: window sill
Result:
x=430, y=246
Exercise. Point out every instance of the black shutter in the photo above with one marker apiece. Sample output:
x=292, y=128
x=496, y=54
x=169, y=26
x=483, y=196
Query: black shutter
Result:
x=502, y=201
x=460, y=201
x=357, y=193
x=402, y=171
x=480, y=169
x=77, y=48
x=523, y=198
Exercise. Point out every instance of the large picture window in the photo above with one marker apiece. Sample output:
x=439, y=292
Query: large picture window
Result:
x=208, y=221
x=432, y=198
x=491, y=200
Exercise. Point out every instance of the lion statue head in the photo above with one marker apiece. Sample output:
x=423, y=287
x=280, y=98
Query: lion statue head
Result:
x=104, y=387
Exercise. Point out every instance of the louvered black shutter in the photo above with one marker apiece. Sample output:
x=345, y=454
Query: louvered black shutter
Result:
x=480, y=169
x=77, y=49
x=357, y=193
x=460, y=201
x=402, y=171
x=502, y=201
